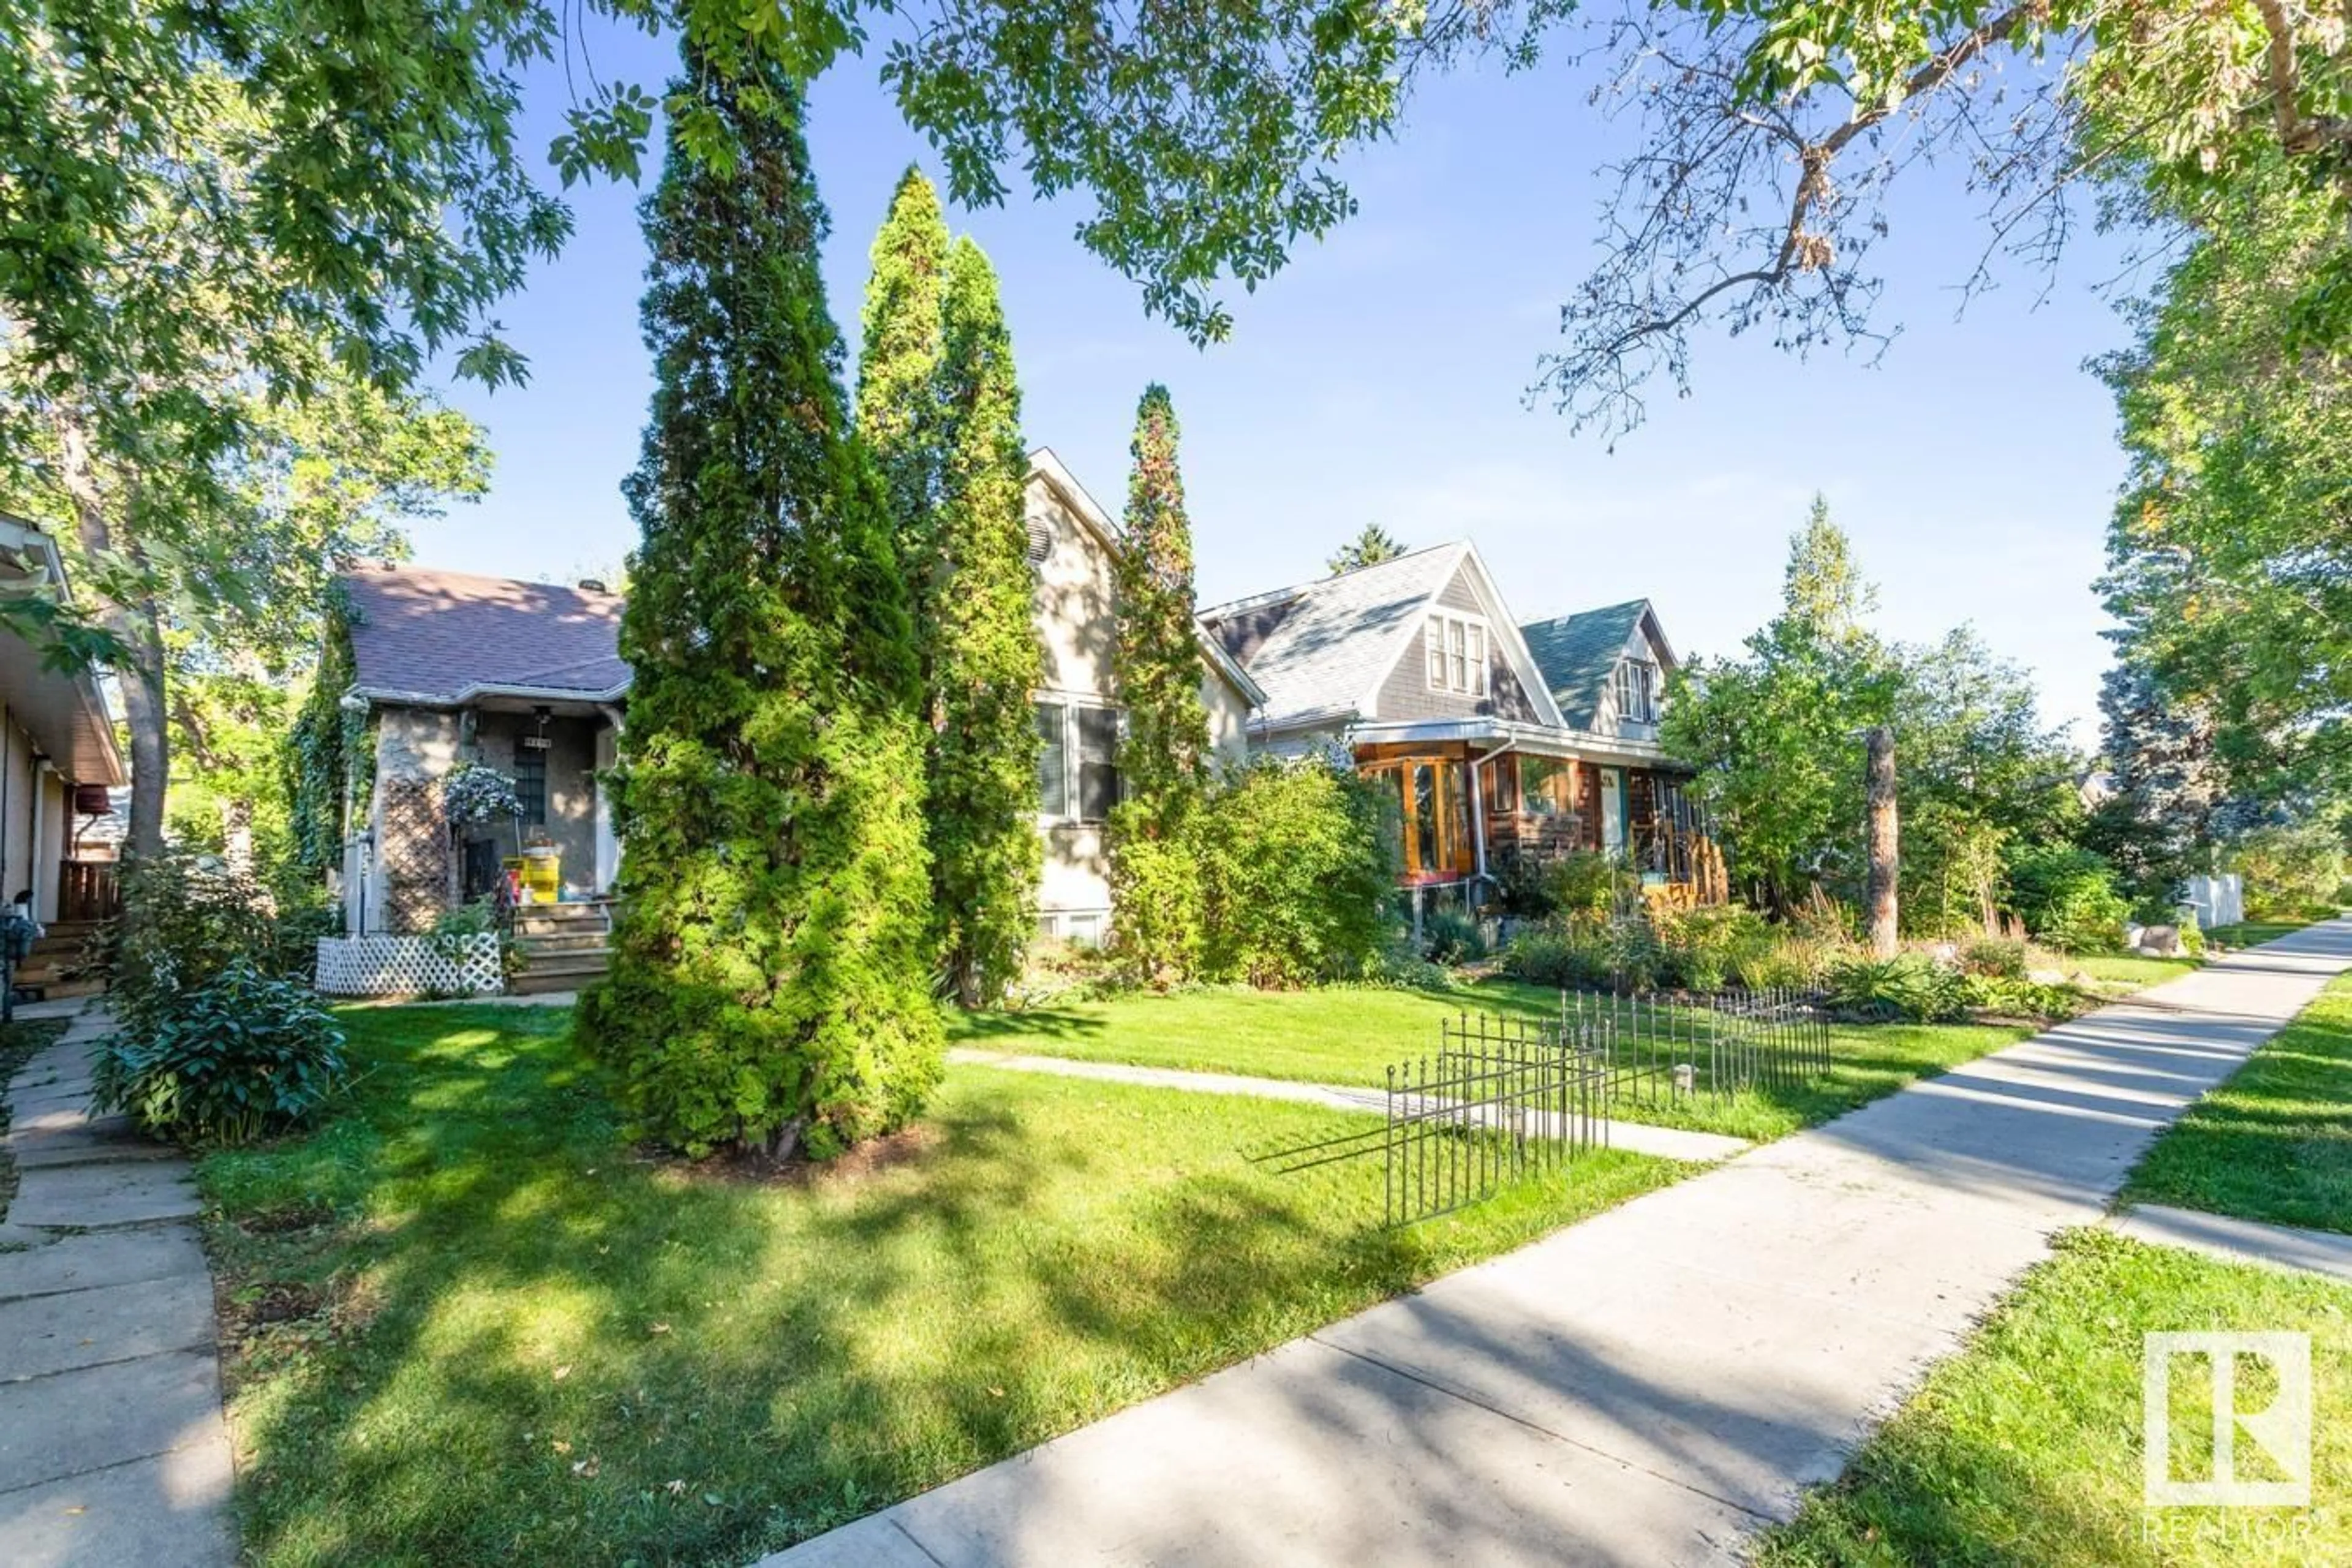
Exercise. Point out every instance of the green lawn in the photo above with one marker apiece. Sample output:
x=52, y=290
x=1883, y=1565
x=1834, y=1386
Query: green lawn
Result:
x=2131, y=968
x=2274, y=1142
x=2025, y=1449
x=466, y=1324
x=1346, y=1036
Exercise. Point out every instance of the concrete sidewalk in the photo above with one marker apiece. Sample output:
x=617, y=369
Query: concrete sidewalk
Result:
x=2240, y=1240
x=112, y=1448
x=1657, y=1383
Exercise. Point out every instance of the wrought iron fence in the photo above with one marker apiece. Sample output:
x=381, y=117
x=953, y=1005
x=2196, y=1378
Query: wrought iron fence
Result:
x=1506, y=1099
x=1500, y=1103
x=1666, y=1050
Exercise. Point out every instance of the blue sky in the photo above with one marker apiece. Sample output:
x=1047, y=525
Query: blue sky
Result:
x=1381, y=377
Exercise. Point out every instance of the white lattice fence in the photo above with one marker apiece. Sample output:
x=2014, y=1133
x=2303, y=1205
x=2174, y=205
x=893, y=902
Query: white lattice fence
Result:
x=410, y=966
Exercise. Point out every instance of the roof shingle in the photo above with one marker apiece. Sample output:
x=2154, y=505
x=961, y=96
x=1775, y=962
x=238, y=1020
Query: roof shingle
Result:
x=1332, y=639
x=1577, y=655
x=437, y=636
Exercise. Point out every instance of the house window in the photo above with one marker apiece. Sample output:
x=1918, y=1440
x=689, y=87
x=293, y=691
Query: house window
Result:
x=1053, y=759
x=530, y=779
x=1098, y=731
x=1637, y=690
x=1547, y=784
x=1077, y=766
x=1434, y=816
x=1455, y=649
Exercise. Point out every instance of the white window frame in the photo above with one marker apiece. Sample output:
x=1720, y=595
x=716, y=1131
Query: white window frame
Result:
x=1441, y=634
x=1625, y=684
x=1070, y=702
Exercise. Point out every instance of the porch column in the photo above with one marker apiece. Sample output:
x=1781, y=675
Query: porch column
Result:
x=608, y=842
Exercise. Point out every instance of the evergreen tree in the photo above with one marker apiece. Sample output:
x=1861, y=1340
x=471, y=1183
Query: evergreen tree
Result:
x=1163, y=755
x=769, y=979
x=1369, y=548
x=984, y=655
x=899, y=363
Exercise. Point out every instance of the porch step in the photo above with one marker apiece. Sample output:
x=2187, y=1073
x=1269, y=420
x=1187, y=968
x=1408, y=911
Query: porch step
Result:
x=561, y=919
x=571, y=961
x=570, y=941
x=529, y=985
x=55, y=990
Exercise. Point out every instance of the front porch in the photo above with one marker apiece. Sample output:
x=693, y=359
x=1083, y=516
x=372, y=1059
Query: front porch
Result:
x=1466, y=810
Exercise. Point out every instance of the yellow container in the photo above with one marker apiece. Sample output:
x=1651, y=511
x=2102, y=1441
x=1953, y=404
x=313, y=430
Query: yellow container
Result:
x=542, y=875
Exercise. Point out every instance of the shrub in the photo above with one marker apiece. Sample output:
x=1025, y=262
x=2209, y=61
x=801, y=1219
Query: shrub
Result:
x=2067, y=897
x=2013, y=997
x=182, y=923
x=1707, y=948
x=1994, y=957
x=239, y=1055
x=1558, y=957
x=1794, y=962
x=1909, y=987
x=2293, y=871
x=1295, y=872
x=1450, y=937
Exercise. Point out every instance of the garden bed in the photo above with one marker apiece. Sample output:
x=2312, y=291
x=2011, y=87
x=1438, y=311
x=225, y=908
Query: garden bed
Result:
x=476, y=1324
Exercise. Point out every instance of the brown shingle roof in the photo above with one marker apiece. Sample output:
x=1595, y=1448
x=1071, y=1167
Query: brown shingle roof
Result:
x=443, y=637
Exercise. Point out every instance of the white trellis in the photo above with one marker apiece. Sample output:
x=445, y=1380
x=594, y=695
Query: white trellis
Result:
x=411, y=965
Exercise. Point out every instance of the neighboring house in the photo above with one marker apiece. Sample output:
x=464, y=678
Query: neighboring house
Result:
x=1075, y=546
x=58, y=758
x=527, y=678
x=1499, y=740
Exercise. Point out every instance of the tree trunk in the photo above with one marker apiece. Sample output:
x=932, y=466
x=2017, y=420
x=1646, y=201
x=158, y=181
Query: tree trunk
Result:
x=139, y=627
x=1886, y=862
x=236, y=835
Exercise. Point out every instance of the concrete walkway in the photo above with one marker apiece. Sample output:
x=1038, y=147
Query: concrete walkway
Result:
x=2239, y=1240
x=1667, y=1143
x=1655, y=1383
x=112, y=1448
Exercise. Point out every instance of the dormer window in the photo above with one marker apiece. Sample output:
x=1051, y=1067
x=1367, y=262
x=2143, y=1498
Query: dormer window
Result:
x=1636, y=683
x=1455, y=647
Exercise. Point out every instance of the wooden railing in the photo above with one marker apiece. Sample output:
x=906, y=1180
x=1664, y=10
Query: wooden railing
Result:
x=87, y=890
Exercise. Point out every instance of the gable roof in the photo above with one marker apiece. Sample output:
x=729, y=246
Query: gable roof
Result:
x=1321, y=649
x=1578, y=654
x=446, y=637
x=1046, y=465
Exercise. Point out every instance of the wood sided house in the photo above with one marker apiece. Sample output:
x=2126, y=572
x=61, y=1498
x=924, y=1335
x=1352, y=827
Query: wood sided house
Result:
x=1500, y=740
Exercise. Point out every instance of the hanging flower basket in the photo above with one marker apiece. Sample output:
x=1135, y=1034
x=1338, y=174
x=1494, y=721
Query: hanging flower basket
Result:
x=474, y=795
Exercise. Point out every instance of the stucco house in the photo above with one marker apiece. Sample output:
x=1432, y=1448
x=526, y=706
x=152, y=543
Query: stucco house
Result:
x=527, y=678
x=1499, y=739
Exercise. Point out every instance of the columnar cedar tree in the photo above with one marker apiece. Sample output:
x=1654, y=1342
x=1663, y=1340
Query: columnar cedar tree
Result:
x=1163, y=755
x=770, y=976
x=901, y=351
x=984, y=657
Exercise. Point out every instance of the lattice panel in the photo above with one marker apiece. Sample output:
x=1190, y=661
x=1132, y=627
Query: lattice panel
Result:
x=413, y=843
x=411, y=966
